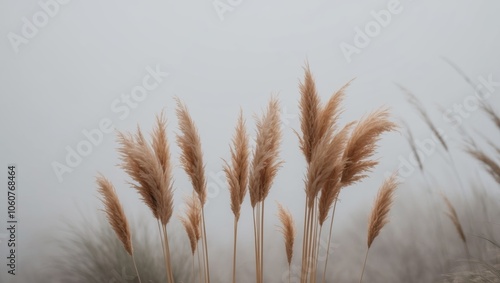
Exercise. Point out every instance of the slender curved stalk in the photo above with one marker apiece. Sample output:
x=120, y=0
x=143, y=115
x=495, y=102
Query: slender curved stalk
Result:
x=199, y=265
x=255, y=245
x=329, y=241
x=304, y=241
x=136, y=270
x=262, y=244
x=163, y=247
x=364, y=265
x=234, y=248
x=167, y=253
x=204, y=238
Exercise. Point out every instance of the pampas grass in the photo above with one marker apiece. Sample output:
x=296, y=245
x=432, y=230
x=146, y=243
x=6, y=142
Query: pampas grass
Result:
x=289, y=231
x=380, y=213
x=237, y=177
x=322, y=150
x=116, y=216
x=192, y=163
x=362, y=145
x=149, y=167
x=263, y=170
x=192, y=225
x=337, y=156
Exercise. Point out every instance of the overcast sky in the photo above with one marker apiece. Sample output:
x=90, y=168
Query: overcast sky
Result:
x=70, y=67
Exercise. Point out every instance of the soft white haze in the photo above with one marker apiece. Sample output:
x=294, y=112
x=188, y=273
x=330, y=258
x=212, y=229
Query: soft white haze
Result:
x=66, y=78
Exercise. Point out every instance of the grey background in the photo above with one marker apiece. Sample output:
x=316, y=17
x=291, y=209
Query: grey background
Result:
x=65, y=79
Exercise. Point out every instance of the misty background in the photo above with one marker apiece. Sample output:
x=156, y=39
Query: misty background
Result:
x=71, y=74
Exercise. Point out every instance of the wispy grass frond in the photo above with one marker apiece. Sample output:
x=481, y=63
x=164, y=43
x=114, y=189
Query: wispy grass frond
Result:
x=114, y=212
x=362, y=145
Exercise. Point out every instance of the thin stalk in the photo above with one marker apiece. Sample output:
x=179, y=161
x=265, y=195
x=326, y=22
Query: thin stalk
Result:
x=364, y=265
x=304, y=246
x=199, y=265
x=206, y=247
x=203, y=258
x=167, y=252
x=234, y=248
x=308, y=244
x=136, y=270
x=255, y=245
x=194, y=273
x=262, y=244
x=317, y=252
x=329, y=241
x=314, y=231
x=163, y=248
x=304, y=240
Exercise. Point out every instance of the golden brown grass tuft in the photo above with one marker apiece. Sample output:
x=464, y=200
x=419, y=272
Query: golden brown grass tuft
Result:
x=237, y=172
x=114, y=212
x=150, y=169
x=266, y=161
x=263, y=170
x=116, y=216
x=192, y=221
x=192, y=163
x=237, y=176
x=153, y=181
x=362, y=145
x=288, y=230
x=331, y=111
x=192, y=155
x=380, y=213
x=309, y=109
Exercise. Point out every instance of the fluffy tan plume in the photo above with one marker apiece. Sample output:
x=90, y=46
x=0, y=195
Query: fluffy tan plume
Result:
x=332, y=186
x=330, y=113
x=265, y=162
x=237, y=172
x=288, y=230
x=152, y=182
x=114, y=212
x=192, y=221
x=309, y=109
x=362, y=145
x=192, y=155
x=380, y=213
